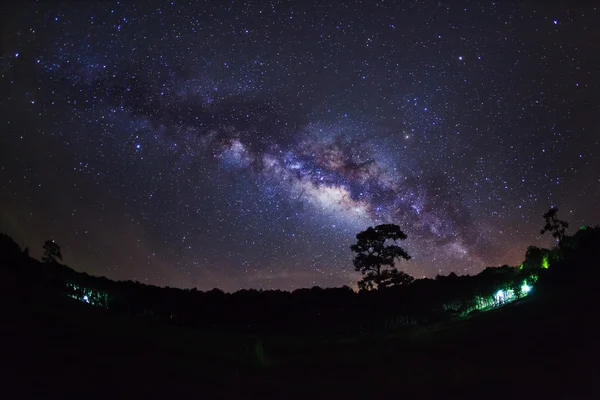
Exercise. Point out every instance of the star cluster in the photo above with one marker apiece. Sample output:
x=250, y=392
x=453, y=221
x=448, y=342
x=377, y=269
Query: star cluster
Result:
x=244, y=144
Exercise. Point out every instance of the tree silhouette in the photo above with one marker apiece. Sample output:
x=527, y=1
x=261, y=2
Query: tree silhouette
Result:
x=51, y=252
x=388, y=277
x=373, y=255
x=555, y=226
x=536, y=258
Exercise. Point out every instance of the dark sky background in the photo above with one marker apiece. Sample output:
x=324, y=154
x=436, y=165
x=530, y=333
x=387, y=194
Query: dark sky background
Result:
x=244, y=144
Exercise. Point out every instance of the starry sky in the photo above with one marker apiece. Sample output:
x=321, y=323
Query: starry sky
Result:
x=244, y=144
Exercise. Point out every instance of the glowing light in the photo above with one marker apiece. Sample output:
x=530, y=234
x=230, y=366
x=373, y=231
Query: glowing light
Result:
x=86, y=299
x=500, y=295
x=525, y=288
x=545, y=262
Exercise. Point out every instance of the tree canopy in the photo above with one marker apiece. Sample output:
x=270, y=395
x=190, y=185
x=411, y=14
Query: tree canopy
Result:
x=555, y=226
x=373, y=256
x=51, y=252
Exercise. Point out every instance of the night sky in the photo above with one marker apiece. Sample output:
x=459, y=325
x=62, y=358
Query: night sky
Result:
x=244, y=144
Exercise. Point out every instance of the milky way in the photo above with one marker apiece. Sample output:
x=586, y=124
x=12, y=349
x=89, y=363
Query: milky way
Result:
x=245, y=145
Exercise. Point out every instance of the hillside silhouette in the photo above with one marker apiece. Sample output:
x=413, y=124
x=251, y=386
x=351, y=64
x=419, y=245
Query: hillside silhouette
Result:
x=525, y=330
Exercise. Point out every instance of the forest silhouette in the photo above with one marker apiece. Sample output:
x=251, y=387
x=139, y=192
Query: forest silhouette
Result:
x=387, y=296
x=265, y=324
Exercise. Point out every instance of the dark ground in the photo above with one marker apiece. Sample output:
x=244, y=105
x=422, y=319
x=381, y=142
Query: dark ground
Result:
x=60, y=348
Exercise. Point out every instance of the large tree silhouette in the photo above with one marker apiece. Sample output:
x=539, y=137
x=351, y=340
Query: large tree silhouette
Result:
x=51, y=252
x=373, y=256
x=555, y=226
x=388, y=277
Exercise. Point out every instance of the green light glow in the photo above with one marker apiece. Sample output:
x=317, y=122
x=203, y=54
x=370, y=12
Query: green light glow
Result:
x=87, y=295
x=545, y=262
x=525, y=288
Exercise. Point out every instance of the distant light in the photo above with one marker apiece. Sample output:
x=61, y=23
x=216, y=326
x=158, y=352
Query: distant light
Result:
x=526, y=288
x=16, y=54
x=500, y=295
x=86, y=299
x=545, y=262
x=460, y=58
x=555, y=22
x=137, y=146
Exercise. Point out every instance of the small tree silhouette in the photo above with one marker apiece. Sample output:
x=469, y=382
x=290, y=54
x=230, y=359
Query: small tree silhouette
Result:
x=51, y=252
x=372, y=255
x=555, y=226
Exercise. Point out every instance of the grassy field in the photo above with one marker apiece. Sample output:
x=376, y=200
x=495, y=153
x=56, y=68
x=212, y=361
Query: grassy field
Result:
x=529, y=349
